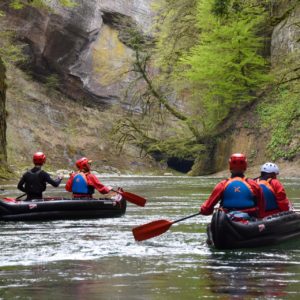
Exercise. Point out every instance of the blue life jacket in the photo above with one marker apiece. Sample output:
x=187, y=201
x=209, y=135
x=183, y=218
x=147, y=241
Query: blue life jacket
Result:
x=269, y=194
x=79, y=184
x=238, y=194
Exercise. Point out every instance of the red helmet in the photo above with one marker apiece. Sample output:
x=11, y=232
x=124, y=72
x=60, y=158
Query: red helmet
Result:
x=83, y=163
x=39, y=158
x=238, y=162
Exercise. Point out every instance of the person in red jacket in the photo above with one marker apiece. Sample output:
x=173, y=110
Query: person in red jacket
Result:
x=273, y=191
x=83, y=183
x=236, y=193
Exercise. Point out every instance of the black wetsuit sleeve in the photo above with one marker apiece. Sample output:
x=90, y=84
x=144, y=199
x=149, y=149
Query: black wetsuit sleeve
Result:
x=21, y=184
x=48, y=179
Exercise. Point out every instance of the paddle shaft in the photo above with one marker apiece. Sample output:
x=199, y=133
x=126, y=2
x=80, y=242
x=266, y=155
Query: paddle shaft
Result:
x=128, y=196
x=182, y=219
x=21, y=196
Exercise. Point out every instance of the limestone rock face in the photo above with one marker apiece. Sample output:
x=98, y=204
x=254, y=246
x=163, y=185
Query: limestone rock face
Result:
x=82, y=45
x=286, y=35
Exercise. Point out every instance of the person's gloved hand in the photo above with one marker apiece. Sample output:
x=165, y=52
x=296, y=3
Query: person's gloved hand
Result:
x=111, y=192
x=204, y=211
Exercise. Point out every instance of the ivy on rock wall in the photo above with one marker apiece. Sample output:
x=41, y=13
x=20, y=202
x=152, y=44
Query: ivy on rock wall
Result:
x=281, y=117
x=280, y=110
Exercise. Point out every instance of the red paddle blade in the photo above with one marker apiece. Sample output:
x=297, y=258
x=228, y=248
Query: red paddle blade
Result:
x=138, y=200
x=150, y=230
x=10, y=199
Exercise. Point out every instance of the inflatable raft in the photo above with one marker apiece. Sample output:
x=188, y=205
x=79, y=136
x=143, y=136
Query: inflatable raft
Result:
x=224, y=233
x=60, y=209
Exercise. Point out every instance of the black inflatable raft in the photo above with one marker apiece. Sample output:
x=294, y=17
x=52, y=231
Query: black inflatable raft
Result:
x=224, y=233
x=60, y=209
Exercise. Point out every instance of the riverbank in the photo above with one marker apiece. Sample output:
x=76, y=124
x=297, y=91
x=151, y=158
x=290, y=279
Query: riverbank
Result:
x=287, y=170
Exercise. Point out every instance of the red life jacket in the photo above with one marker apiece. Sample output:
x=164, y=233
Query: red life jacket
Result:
x=237, y=194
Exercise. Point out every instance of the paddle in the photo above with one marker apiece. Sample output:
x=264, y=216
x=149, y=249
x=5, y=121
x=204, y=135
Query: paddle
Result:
x=13, y=199
x=133, y=198
x=21, y=196
x=155, y=228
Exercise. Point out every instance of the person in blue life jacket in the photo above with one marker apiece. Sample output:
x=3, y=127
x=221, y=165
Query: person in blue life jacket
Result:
x=34, y=181
x=237, y=193
x=273, y=190
x=83, y=183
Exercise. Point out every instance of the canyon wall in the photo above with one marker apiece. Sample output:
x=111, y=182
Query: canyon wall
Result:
x=2, y=115
x=82, y=46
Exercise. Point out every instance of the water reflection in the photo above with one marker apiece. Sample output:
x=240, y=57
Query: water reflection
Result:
x=247, y=275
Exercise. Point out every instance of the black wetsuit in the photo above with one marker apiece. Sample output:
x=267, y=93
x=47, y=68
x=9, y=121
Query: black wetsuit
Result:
x=33, y=183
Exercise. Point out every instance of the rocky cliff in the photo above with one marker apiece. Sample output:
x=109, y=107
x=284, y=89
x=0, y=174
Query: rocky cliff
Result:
x=286, y=34
x=40, y=119
x=82, y=52
x=82, y=45
x=2, y=115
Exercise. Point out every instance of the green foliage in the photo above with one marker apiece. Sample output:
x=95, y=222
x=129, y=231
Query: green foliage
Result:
x=208, y=53
x=220, y=7
x=68, y=3
x=16, y=4
x=19, y=4
x=174, y=147
x=52, y=82
x=10, y=51
x=149, y=92
x=281, y=116
x=226, y=66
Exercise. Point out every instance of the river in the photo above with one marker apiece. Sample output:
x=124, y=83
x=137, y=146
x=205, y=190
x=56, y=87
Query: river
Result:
x=99, y=259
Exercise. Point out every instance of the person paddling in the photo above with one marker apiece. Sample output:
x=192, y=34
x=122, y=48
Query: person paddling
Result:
x=34, y=181
x=83, y=183
x=273, y=190
x=236, y=193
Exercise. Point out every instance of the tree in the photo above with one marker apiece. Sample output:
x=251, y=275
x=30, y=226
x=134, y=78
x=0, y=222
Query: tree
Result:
x=153, y=103
x=208, y=53
x=153, y=64
x=226, y=66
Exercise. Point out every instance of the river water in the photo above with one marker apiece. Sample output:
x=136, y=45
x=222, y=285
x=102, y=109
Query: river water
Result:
x=99, y=259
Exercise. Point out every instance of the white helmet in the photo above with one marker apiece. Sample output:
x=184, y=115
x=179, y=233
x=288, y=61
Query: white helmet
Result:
x=270, y=168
